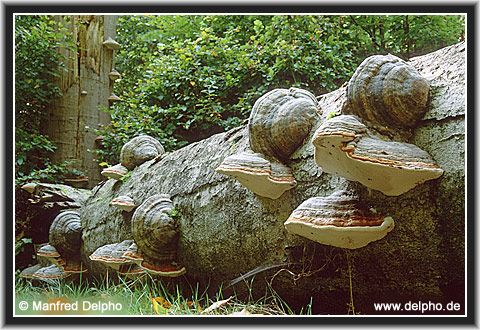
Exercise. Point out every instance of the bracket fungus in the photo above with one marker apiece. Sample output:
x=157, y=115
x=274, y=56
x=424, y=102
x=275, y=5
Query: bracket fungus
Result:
x=258, y=174
x=51, y=254
x=65, y=236
x=29, y=271
x=344, y=146
x=280, y=121
x=115, y=172
x=112, y=254
x=155, y=235
x=133, y=254
x=387, y=91
x=110, y=43
x=30, y=187
x=114, y=75
x=52, y=272
x=124, y=203
x=114, y=98
x=138, y=150
x=339, y=220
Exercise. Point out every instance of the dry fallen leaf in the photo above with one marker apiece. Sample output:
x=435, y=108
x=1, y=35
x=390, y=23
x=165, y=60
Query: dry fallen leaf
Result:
x=163, y=302
x=216, y=305
x=157, y=307
x=242, y=312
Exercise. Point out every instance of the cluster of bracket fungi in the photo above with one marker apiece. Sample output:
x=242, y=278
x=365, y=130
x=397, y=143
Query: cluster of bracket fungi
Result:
x=153, y=247
x=388, y=95
x=385, y=94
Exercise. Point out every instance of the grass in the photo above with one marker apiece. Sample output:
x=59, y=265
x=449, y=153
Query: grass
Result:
x=149, y=297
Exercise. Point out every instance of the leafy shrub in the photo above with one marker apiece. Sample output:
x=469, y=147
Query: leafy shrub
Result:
x=37, y=38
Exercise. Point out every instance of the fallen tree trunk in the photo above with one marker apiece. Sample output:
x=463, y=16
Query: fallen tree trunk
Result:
x=226, y=230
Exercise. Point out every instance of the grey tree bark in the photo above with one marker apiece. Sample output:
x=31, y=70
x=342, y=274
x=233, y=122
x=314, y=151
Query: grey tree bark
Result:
x=85, y=88
x=226, y=230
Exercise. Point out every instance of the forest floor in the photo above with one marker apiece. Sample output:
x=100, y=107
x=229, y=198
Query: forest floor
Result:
x=137, y=297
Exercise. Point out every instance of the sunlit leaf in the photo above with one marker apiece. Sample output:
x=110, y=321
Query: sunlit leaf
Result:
x=216, y=305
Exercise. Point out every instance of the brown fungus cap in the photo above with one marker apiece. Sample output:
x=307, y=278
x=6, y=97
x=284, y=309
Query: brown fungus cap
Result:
x=112, y=254
x=339, y=220
x=65, y=234
x=48, y=251
x=345, y=147
x=28, y=272
x=114, y=98
x=124, y=203
x=110, y=43
x=165, y=269
x=139, y=150
x=51, y=272
x=133, y=254
x=115, y=172
x=74, y=267
x=387, y=91
x=264, y=177
x=114, y=75
x=280, y=121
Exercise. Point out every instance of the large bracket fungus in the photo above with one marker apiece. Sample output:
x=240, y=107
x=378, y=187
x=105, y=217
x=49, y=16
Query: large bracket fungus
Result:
x=344, y=146
x=339, y=220
x=124, y=203
x=65, y=235
x=258, y=174
x=387, y=91
x=280, y=121
x=138, y=150
x=115, y=172
x=155, y=235
x=49, y=273
x=112, y=255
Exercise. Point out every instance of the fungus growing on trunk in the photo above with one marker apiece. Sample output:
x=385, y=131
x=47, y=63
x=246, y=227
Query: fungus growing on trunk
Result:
x=110, y=43
x=29, y=271
x=344, y=146
x=112, y=254
x=114, y=98
x=124, y=203
x=30, y=187
x=133, y=254
x=114, y=75
x=268, y=178
x=138, y=150
x=51, y=254
x=52, y=272
x=115, y=172
x=339, y=220
x=280, y=121
x=385, y=90
x=155, y=235
x=65, y=236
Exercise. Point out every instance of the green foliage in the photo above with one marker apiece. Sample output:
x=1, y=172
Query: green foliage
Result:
x=20, y=245
x=187, y=77
x=37, y=61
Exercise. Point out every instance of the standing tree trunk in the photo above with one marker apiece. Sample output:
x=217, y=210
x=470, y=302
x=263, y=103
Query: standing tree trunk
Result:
x=85, y=90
